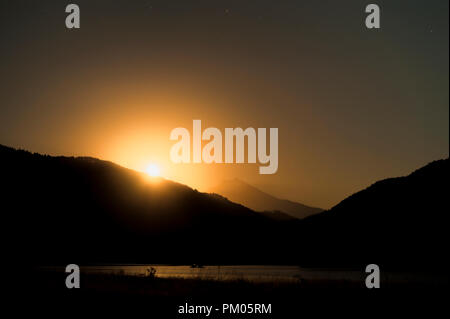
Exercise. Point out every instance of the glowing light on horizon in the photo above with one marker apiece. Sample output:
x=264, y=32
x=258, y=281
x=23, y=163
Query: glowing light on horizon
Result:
x=153, y=170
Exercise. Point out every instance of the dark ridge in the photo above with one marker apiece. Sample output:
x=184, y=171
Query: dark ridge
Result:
x=397, y=221
x=63, y=209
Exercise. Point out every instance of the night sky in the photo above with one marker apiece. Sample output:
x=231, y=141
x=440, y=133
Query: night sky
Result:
x=352, y=105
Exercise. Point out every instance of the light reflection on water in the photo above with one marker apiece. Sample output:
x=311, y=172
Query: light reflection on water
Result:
x=252, y=273
x=260, y=273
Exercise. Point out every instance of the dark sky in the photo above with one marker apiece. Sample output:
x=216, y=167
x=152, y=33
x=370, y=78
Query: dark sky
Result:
x=352, y=105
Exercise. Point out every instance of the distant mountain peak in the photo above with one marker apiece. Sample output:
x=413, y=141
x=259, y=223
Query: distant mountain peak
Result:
x=248, y=195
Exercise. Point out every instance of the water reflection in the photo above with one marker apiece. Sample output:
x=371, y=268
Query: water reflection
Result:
x=259, y=273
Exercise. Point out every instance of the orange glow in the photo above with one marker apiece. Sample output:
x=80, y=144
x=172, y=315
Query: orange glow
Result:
x=153, y=170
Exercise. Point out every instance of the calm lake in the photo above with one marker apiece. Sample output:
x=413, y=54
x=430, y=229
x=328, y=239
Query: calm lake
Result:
x=261, y=273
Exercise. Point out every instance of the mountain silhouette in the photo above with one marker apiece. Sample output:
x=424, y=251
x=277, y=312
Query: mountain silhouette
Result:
x=57, y=209
x=399, y=221
x=248, y=195
x=62, y=210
